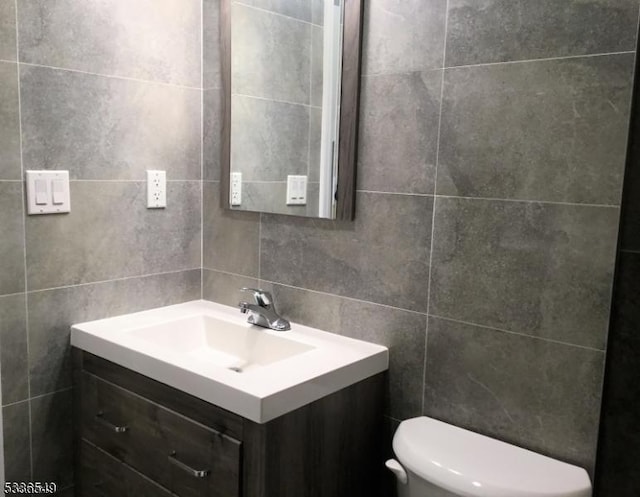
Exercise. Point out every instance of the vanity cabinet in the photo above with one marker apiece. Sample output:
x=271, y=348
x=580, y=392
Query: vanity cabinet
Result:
x=136, y=437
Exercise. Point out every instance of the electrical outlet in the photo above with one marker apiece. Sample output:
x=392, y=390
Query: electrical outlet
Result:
x=156, y=189
x=236, y=189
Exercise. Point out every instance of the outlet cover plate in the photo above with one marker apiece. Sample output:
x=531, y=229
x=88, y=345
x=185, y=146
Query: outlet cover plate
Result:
x=156, y=189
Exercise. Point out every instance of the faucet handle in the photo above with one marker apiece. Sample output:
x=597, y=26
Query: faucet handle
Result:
x=262, y=298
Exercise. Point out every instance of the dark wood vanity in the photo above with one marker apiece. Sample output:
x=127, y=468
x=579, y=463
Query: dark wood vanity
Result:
x=136, y=437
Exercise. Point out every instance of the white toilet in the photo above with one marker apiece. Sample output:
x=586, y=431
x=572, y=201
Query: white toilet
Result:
x=440, y=460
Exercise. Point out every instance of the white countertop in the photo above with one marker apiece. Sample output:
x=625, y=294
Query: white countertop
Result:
x=260, y=394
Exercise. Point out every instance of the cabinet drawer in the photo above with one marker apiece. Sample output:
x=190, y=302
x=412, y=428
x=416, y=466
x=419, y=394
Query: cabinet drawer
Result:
x=100, y=475
x=187, y=458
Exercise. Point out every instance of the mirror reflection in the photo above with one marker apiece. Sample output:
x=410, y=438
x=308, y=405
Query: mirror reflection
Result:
x=286, y=60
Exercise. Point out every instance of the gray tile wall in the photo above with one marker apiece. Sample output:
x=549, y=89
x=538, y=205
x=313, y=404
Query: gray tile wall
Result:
x=80, y=90
x=492, y=145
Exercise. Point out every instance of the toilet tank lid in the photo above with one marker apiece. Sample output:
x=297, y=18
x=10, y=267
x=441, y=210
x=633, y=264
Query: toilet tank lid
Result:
x=472, y=465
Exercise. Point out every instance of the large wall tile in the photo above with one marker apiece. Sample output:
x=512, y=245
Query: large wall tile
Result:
x=403, y=36
x=298, y=9
x=270, y=56
x=399, y=118
x=225, y=288
x=230, y=238
x=211, y=50
x=7, y=30
x=9, y=121
x=539, y=269
x=13, y=353
x=17, y=442
x=270, y=139
x=52, y=438
x=111, y=234
x=52, y=312
x=145, y=39
x=359, y=259
x=107, y=128
x=12, y=239
x=530, y=392
x=619, y=449
x=535, y=130
x=480, y=31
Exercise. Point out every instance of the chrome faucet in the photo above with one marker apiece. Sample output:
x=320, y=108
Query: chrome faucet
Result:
x=263, y=311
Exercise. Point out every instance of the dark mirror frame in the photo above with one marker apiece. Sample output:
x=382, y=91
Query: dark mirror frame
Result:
x=349, y=106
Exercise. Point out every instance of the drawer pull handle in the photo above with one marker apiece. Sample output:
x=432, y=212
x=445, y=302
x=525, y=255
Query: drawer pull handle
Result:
x=117, y=429
x=173, y=459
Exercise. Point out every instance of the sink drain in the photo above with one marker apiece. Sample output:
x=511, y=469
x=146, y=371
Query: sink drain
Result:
x=236, y=369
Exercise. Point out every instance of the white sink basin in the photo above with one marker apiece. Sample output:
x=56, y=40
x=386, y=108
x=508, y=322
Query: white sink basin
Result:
x=209, y=351
x=219, y=342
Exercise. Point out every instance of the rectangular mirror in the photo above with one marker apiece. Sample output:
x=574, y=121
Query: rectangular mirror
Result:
x=291, y=77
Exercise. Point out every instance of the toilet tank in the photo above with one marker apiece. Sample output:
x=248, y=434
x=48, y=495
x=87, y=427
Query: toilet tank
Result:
x=437, y=459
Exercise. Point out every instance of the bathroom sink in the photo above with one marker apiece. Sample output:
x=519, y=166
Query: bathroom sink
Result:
x=219, y=342
x=208, y=350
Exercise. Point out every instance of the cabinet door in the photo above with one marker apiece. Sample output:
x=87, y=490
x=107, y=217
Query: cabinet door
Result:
x=101, y=475
x=185, y=457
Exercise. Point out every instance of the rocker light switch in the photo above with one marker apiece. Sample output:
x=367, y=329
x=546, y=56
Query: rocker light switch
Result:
x=41, y=192
x=57, y=191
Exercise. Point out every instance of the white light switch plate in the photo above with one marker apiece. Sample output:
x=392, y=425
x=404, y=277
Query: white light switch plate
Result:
x=156, y=189
x=296, y=190
x=236, y=189
x=48, y=192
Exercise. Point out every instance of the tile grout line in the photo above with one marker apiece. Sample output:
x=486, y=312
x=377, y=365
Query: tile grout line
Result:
x=110, y=76
x=7, y=295
x=277, y=101
x=352, y=299
x=39, y=396
x=544, y=59
x=266, y=182
x=434, y=203
x=260, y=246
x=81, y=180
x=485, y=64
x=202, y=150
x=509, y=332
x=492, y=199
x=113, y=280
x=424, y=364
x=550, y=202
x=310, y=101
x=24, y=233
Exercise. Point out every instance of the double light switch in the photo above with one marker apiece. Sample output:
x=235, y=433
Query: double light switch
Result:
x=48, y=192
